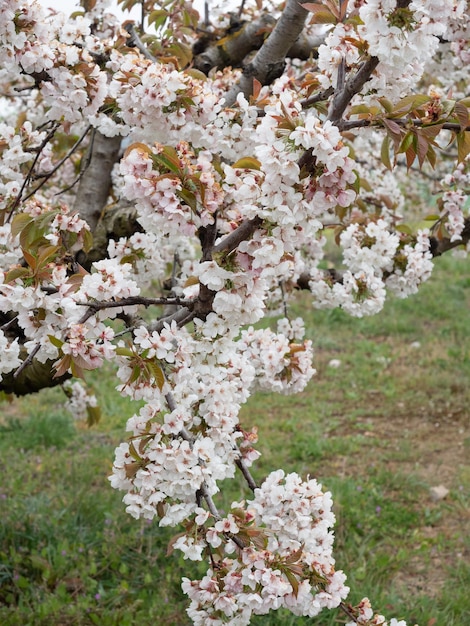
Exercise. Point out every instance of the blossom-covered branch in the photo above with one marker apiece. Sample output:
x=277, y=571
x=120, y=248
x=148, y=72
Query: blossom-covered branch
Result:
x=212, y=198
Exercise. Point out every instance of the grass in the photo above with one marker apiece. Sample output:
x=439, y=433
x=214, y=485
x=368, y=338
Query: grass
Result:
x=378, y=431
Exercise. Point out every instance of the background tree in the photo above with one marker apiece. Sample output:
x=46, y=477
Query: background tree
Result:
x=195, y=169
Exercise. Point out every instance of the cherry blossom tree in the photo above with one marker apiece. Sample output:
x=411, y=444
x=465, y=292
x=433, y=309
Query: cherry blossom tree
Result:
x=165, y=185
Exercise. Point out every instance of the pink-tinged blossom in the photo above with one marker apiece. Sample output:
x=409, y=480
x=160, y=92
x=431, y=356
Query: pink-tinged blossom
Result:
x=189, y=163
x=89, y=344
x=365, y=616
x=287, y=509
x=280, y=365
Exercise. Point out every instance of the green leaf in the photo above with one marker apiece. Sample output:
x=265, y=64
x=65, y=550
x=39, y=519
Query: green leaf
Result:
x=463, y=145
x=168, y=157
x=87, y=240
x=461, y=112
x=93, y=415
x=46, y=254
x=293, y=581
x=385, y=153
x=136, y=373
x=407, y=142
x=247, y=163
x=359, y=109
x=321, y=15
x=448, y=107
x=410, y=103
x=122, y=351
x=386, y=104
x=158, y=18
x=157, y=373
x=188, y=198
x=194, y=73
x=431, y=156
x=30, y=259
x=133, y=452
x=58, y=343
x=19, y=222
x=182, y=52
x=404, y=228
x=422, y=145
x=17, y=272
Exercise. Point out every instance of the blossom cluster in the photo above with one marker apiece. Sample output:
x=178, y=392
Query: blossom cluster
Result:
x=391, y=33
x=79, y=400
x=365, y=616
x=454, y=203
x=233, y=206
x=288, y=563
x=189, y=425
x=377, y=260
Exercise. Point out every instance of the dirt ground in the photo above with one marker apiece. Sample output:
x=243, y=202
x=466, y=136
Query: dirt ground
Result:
x=437, y=441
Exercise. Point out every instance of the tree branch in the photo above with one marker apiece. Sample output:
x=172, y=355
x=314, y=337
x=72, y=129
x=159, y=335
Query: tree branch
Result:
x=244, y=231
x=269, y=62
x=352, y=86
x=233, y=48
x=135, y=42
x=95, y=185
x=356, y=82
x=240, y=463
x=349, y=124
x=33, y=378
x=438, y=246
x=94, y=307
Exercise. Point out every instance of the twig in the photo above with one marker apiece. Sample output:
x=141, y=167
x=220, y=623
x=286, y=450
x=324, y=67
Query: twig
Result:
x=240, y=463
x=28, y=360
x=135, y=42
x=344, y=607
x=129, y=329
x=351, y=88
x=284, y=299
x=7, y=325
x=401, y=121
x=94, y=307
x=318, y=97
x=242, y=232
x=47, y=175
x=41, y=147
x=178, y=317
x=137, y=300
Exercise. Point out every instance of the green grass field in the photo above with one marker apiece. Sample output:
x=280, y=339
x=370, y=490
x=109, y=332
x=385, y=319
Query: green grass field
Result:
x=379, y=431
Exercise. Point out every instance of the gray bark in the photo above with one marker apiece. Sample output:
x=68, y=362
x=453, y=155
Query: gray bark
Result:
x=95, y=183
x=269, y=61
